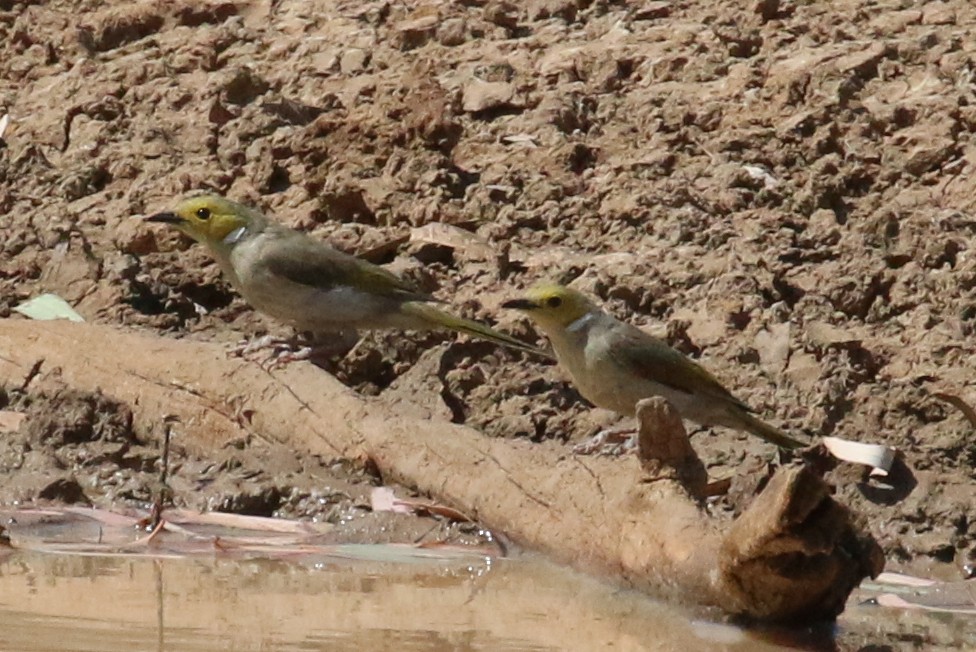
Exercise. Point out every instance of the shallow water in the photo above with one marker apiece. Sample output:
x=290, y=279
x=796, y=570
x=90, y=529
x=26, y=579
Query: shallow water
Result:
x=74, y=603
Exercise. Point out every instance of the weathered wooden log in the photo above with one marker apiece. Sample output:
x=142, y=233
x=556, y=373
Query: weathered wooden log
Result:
x=795, y=554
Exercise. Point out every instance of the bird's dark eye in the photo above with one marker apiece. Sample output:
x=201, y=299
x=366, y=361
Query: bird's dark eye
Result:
x=203, y=213
x=554, y=302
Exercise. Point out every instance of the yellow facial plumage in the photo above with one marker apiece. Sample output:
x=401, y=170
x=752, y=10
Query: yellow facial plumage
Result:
x=553, y=305
x=207, y=218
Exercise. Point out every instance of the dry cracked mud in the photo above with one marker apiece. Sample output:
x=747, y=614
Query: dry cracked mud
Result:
x=784, y=190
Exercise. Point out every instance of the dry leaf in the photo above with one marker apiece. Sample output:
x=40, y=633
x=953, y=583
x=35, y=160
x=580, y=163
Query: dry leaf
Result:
x=189, y=518
x=951, y=598
x=436, y=509
x=877, y=456
x=448, y=235
x=527, y=140
x=48, y=306
x=87, y=531
x=900, y=579
x=382, y=499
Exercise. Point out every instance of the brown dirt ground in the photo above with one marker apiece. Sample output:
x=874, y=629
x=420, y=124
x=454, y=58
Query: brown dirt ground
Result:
x=783, y=188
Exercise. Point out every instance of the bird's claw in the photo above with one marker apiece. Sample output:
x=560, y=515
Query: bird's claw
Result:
x=282, y=358
x=613, y=442
x=248, y=348
x=271, y=352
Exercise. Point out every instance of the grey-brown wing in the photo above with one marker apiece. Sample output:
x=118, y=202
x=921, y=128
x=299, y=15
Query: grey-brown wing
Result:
x=652, y=358
x=306, y=261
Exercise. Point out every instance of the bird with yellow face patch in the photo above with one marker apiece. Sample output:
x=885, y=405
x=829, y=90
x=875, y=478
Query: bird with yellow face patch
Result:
x=303, y=282
x=615, y=364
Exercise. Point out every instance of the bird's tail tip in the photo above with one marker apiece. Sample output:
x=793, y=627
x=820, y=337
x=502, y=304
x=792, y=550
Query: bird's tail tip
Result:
x=476, y=329
x=773, y=435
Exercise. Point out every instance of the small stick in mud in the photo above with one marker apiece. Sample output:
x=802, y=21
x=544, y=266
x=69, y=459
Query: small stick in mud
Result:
x=162, y=494
x=168, y=422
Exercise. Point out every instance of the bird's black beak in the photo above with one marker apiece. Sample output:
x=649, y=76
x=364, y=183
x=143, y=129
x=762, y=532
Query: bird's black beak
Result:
x=520, y=304
x=165, y=218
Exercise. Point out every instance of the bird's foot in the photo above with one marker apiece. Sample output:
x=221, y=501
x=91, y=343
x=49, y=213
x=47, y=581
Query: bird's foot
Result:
x=283, y=357
x=249, y=348
x=272, y=352
x=612, y=441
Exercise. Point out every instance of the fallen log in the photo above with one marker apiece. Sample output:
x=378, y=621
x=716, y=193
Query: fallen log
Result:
x=794, y=555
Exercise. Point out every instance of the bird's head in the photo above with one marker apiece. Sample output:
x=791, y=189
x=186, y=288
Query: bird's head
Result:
x=552, y=307
x=209, y=219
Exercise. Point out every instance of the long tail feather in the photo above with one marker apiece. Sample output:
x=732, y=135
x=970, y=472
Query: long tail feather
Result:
x=763, y=430
x=435, y=316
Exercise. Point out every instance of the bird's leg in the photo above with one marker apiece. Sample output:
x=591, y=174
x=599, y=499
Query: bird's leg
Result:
x=273, y=352
x=609, y=441
x=283, y=356
x=248, y=348
x=282, y=350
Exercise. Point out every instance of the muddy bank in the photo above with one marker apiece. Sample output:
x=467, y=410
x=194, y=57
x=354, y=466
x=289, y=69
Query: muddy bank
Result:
x=83, y=448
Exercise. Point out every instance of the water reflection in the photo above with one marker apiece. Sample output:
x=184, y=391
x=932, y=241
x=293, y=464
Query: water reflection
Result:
x=78, y=603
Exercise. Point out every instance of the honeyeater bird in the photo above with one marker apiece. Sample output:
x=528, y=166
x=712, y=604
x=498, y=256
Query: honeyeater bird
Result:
x=301, y=281
x=614, y=364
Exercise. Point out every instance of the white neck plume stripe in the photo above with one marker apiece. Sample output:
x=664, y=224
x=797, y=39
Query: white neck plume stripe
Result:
x=581, y=322
x=234, y=235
